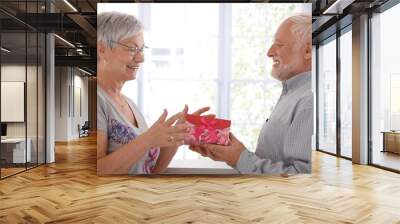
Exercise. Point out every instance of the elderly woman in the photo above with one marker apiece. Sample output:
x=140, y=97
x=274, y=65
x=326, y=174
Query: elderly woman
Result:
x=125, y=144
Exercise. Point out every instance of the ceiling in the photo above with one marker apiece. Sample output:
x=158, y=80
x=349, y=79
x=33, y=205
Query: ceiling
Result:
x=332, y=15
x=76, y=23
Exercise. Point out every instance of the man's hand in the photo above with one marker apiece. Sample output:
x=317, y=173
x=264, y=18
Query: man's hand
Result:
x=229, y=154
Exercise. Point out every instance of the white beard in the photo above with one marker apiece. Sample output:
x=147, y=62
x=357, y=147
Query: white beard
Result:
x=284, y=72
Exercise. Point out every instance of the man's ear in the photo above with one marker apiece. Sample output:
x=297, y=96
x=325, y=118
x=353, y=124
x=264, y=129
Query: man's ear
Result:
x=308, y=51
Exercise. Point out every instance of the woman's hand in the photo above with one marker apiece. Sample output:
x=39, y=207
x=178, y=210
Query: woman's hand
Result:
x=168, y=152
x=197, y=112
x=163, y=134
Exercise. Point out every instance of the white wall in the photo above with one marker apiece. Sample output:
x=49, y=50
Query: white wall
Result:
x=80, y=83
x=16, y=73
x=61, y=104
x=67, y=115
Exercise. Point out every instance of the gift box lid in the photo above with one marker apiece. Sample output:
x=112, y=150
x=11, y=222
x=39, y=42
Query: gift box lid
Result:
x=201, y=120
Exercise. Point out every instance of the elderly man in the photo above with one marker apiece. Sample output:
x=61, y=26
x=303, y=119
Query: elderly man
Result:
x=284, y=144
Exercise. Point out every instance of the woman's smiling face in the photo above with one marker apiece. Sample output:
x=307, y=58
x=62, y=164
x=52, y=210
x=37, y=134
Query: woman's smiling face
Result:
x=125, y=58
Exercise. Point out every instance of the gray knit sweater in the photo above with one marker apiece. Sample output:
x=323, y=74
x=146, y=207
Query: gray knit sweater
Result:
x=284, y=143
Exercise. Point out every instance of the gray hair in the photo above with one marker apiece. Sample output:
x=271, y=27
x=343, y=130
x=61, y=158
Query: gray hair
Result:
x=115, y=26
x=301, y=28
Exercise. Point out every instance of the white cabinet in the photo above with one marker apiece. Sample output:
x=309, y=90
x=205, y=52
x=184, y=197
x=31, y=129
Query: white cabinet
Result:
x=17, y=146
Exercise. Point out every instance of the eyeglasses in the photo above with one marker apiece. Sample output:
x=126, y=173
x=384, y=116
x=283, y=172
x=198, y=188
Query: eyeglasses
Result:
x=132, y=50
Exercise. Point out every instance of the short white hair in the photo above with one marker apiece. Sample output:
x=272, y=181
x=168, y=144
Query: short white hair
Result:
x=115, y=26
x=301, y=28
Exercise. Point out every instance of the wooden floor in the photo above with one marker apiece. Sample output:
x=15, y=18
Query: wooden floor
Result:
x=70, y=192
x=10, y=171
x=387, y=159
x=5, y=172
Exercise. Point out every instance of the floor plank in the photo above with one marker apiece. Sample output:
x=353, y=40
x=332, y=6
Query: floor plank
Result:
x=387, y=159
x=69, y=191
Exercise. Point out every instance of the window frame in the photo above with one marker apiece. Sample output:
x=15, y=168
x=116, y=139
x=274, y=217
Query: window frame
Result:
x=337, y=38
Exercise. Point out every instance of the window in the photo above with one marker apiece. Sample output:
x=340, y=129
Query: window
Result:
x=327, y=96
x=346, y=94
x=314, y=88
x=218, y=60
x=22, y=75
x=385, y=87
x=394, y=101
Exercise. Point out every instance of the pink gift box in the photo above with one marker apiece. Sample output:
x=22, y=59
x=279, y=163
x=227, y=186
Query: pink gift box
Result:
x=207, y=130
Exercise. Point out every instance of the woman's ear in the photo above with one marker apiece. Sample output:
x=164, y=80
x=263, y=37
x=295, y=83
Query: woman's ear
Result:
x=101, y=49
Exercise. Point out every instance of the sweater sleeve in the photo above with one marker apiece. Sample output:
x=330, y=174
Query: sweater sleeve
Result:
x=297, y=150
x=101, y=114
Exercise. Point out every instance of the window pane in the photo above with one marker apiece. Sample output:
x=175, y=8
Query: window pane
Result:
x=394, y=101
x=346, y=94
x=385, y=114
x=327, y=97
x=253, y=29
x=252, y=102
x=183, y=42
x=127, y=8
x=170, y=20
x=188, y=60
x=314, y=84
x=32, y=100
x=13, y=83
x=248, y=133
x=173, y=95
x=249, y=59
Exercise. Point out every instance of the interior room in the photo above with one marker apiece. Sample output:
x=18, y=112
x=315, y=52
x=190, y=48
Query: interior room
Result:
x=48, y=150
x=22, y=100
x=25, y=102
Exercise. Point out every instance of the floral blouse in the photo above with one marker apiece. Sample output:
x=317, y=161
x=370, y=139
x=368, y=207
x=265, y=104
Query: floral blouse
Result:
x=120, y=131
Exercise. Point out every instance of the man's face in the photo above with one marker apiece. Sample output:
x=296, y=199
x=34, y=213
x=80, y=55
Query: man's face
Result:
x=287, y=58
